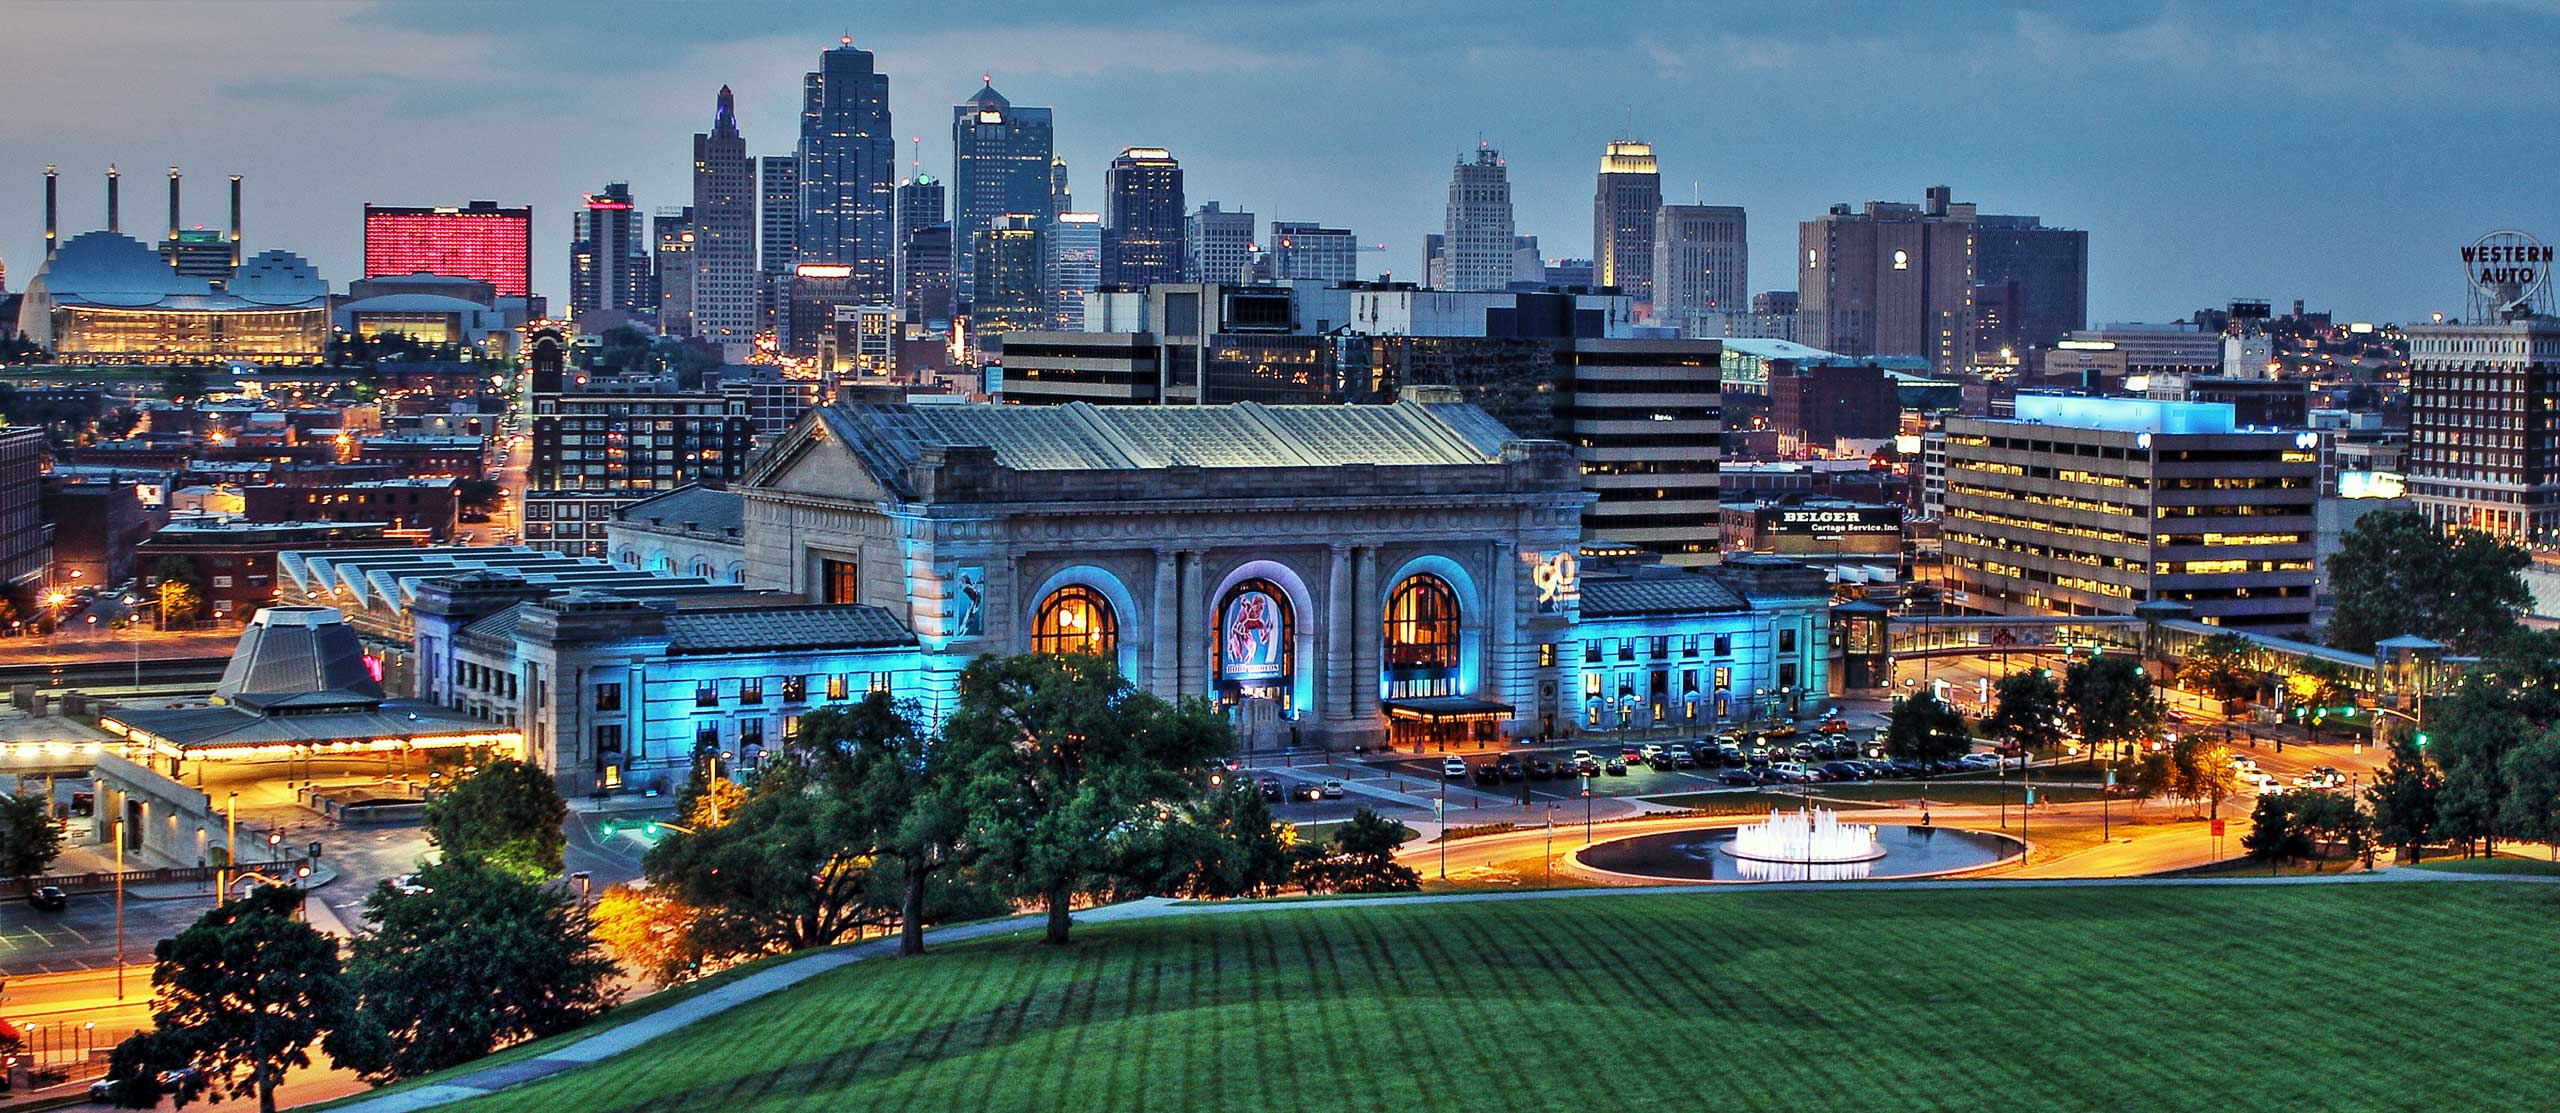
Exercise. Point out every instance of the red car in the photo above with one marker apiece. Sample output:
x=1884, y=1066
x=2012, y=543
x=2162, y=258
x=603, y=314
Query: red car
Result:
x=1631, y=755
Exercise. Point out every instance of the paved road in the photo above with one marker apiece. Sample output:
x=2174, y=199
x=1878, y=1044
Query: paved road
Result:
x=780, y=976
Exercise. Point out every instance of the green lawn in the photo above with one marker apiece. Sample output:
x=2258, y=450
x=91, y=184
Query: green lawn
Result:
x=2500, y=864
x=2224, y=998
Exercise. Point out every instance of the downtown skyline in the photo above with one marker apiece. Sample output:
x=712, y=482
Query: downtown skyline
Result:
x=2123, y=124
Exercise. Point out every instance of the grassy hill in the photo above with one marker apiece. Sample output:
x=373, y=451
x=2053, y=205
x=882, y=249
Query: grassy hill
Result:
x=2334, y=997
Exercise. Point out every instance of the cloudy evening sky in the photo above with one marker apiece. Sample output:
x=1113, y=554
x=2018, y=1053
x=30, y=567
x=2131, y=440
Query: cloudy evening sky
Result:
x=2336, y=152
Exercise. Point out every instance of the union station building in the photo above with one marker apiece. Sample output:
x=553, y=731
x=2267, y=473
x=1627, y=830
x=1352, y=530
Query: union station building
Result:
x=1333, y=575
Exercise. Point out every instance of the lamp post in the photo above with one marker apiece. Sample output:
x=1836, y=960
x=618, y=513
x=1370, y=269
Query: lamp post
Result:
x=230, y=849
x=119, y=836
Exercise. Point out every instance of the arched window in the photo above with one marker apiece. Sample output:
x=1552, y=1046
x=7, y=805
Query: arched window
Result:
x=1422, y=626
x=1075, y=619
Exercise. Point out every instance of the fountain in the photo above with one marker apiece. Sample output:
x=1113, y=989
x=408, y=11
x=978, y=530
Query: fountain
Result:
x=1806, y=835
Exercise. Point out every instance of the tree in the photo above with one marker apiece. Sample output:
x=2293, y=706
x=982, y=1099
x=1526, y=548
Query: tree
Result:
x=1064, y=755
x=2396, y=573
x=1924, y=729
x=1222, y=845
x=2028, y=712
x=651, y=932
x=709, y=798
x=2333, y=821
x=478, y=494
x=906, y=790
x=2404, y=799
x=2201, y=772
x=2273, y=835
x=2218, y=666
x=2531, y=809
x=181, y=590
x=509, y=814
x=788, y=872
x=29, y=838
x=2111, y=702
x=242, y=995
x=1359, y=858
x=479, y=959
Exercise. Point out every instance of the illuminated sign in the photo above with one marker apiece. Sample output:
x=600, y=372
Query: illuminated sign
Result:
x=1834, y=522
x=1559, y=581
x=819, y=270
x=2371, y=485
x=1250, y=648
x=2507, y=268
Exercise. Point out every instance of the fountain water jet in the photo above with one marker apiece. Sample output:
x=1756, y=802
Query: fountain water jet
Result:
x=1806, y=835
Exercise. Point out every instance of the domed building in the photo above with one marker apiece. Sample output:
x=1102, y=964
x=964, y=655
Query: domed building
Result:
x=108, y=298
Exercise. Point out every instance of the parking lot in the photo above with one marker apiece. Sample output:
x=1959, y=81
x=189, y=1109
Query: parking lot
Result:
x=1422, y=773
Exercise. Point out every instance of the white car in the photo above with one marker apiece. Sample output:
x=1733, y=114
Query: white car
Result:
x=2265, y=783
x=1980, y=761
x=1580, y=756
x=1453, y=768
x=2248, y=766
x=1650, y=750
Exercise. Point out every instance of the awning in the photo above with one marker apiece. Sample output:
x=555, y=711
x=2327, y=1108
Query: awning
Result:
x=1443, y=708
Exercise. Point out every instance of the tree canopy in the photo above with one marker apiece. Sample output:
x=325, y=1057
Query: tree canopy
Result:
x=2396, y=573
x=241, y=995
x=2111, y=701
x=2028, y=711
x=1065, y=758
x=1923, y=728
x=479, y=959
x=2218, y=666
x=508, y=814
x=29, y=838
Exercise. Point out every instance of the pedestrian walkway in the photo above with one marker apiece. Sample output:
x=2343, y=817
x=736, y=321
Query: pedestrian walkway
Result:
x=788, y=972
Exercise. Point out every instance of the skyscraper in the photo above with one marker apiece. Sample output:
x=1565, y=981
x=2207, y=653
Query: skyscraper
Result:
x=1622, y=219
x=777, y=228
x=848, y=168
x=1000, y=164
x=1302, y=250
x=1061, y=196
x=920, y=201
x=1217, y=244
x=1010, y=293
x=673, y=231
x=609, y=256
x=726, y=301
x=2043, y=271
x=1477, y=237
x=1893, y=279
x=1074, y=267
x=1143, y=214
x=1701, y=265
x=927, y=293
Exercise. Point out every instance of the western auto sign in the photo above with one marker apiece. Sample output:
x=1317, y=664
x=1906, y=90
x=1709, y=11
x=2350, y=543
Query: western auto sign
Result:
x=2507, y=267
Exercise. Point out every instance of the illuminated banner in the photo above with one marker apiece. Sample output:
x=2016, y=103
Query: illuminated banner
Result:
x=1251, y=649
x=1559, y=582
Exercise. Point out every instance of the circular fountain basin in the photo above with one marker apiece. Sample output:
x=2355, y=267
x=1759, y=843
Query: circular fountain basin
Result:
x=1705, y=854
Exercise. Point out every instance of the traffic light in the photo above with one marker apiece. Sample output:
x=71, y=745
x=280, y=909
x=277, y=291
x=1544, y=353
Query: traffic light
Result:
x=653, y=828
x=2422, y=740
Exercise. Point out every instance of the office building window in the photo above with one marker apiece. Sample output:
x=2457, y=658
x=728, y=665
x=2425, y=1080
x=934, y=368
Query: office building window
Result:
x=751, y=692
x=841, y=580
x=608, y=697
x=706, y=693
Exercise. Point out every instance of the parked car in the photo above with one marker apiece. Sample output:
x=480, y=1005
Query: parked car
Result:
x=1453, y=768
x=1310, y=792
x=1794, y=773
x=1738, y=778
x=49, y=898
x=1271, y=788
x=1662, y=763
x=1680, y=755
x=1540, y=769
x=1512, y=770
x=1842, y=771
x=1617, y=767
x=1586, y=767
x=1979, y=761
x=1333, y=790
x=1631, y=755
x=1488, y=775
x=1580, y=756
x=1650, y=750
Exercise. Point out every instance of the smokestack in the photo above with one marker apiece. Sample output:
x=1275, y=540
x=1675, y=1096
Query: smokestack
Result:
x=173, y=204
x=52, y=209
x=235, y=222
x=111, y=197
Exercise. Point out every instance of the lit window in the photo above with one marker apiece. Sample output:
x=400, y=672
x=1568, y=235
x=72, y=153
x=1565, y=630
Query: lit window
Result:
x=1075, y=619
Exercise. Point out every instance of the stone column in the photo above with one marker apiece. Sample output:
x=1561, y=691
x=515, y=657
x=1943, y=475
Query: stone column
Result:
x=1368, y=627
x=1502, y=650
x=1338, y=637
x=1193, y=635
x=1162, y=617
